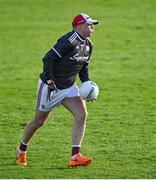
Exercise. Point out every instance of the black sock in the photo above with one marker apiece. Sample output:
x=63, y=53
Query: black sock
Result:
x=75, y=150
x=23, y=147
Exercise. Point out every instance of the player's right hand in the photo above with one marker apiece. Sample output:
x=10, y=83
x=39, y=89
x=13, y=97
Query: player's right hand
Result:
x=51, y=89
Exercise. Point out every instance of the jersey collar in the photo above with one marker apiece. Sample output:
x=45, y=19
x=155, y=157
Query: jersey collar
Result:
x=80, y=37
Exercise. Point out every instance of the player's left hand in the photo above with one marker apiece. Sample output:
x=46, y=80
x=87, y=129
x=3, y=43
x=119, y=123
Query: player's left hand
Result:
x=90, y=100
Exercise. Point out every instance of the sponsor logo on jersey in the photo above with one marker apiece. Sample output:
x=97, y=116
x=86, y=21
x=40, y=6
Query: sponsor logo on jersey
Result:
x=78, y=58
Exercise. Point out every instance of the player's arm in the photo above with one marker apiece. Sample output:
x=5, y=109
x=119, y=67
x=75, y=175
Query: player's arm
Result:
x=48, y=62
x=55, y=54
x=84, y=73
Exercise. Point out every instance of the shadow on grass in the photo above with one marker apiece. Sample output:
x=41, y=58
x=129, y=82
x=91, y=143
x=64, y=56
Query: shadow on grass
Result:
x=56, y=168
x=64, y=167
x=13, y=163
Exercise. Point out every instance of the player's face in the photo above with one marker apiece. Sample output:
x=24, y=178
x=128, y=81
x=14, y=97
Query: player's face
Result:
x=85, y=30
x=88, y=30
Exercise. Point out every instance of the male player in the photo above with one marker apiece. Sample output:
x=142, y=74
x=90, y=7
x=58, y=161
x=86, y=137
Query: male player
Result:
x=68, y=58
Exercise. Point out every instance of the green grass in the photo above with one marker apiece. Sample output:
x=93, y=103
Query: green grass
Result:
x=120, y=134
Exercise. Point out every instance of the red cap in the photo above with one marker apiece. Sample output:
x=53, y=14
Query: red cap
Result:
x=83, y=18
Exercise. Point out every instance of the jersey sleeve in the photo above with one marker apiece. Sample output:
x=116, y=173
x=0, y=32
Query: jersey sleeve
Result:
x=48, y=61
x=54, y=54
x=90, y=47
x=61, y=47
x=84, y=73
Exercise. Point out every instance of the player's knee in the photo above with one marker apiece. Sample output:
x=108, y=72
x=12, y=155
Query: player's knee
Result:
x=81, y=117
x=39, y=123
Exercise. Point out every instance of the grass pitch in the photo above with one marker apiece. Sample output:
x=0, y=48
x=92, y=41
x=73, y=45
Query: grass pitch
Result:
x=120, y=134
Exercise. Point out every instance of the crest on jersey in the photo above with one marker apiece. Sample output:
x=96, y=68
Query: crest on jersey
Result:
x=87, y=48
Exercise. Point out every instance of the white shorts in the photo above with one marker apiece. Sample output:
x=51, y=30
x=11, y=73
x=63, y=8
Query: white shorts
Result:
x=42, y=92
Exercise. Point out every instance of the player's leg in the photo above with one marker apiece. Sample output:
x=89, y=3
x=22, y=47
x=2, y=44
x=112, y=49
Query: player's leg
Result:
x=78, y=108
x=38, y=121
x=40, y=115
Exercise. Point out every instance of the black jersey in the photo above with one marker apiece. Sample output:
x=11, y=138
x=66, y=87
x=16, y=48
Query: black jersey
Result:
x=67, y=58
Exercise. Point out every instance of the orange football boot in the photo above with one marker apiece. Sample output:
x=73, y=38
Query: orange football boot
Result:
x=79, y=160
x=21, y=158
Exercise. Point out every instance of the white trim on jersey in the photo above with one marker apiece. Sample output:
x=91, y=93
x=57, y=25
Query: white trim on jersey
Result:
x=57, y=52
x=80, y=37
x=73, y=37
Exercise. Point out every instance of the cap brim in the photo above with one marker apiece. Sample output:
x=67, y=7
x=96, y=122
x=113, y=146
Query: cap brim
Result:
x=96, y=22
x=92, y=21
